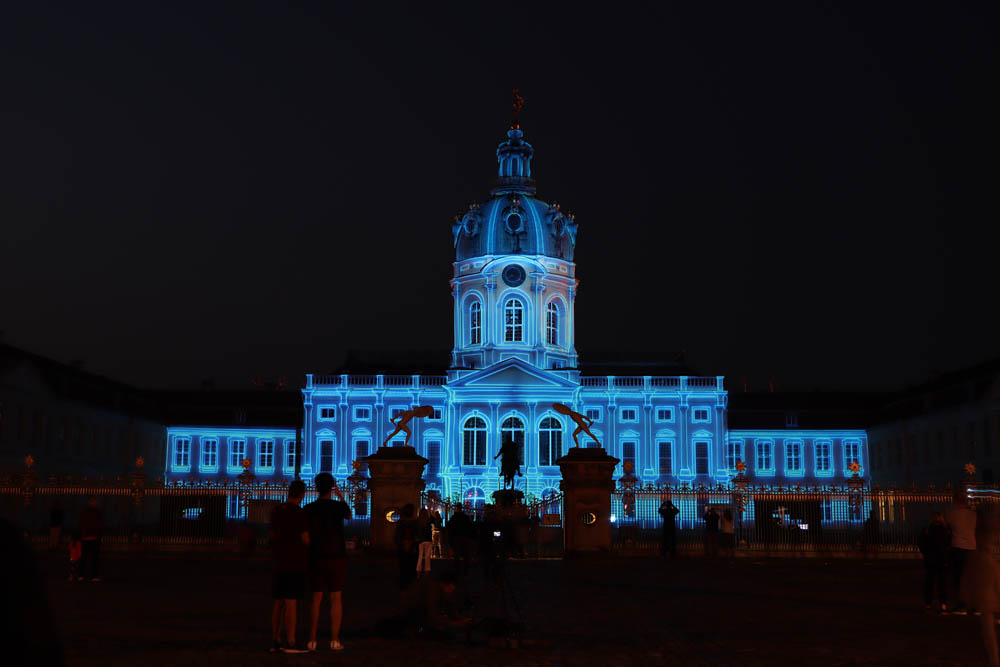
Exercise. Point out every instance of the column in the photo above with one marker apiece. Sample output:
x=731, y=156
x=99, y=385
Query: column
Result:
x=645, y=462
x=683, y=445
x=531, y=444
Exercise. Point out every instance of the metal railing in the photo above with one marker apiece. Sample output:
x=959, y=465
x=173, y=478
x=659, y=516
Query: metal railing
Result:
x=780, y=520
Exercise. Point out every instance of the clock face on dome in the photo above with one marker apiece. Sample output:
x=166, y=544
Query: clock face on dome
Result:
x=513, y=275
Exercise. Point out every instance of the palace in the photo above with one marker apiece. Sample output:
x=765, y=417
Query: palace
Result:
x=513, y=356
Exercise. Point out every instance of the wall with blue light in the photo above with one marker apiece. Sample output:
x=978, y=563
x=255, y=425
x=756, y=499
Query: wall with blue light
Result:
x=210, y=452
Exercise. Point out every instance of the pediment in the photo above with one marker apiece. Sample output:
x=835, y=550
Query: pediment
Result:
x=513, y=373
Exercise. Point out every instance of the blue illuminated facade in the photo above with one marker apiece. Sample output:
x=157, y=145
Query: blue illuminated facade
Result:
x=513, y=289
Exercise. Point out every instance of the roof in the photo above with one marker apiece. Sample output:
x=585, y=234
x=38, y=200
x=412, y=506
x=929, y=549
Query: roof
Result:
x=811, y=410
x=395, y=362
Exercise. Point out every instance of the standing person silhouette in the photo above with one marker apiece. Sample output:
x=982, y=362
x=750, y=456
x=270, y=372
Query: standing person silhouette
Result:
x=403, y=418
x=583, y=422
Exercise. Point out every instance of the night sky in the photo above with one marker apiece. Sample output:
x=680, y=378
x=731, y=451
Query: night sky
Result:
x=199, y=190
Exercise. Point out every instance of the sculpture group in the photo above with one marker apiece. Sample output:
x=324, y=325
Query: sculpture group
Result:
x=510, y=451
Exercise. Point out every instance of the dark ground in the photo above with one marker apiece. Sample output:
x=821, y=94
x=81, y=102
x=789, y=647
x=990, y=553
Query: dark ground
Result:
x=214, y=609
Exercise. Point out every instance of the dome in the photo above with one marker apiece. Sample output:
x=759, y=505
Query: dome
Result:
x=513, y=221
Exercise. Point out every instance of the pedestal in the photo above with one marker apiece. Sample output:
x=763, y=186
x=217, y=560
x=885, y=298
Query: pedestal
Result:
x=396, y=479
x=587, y=484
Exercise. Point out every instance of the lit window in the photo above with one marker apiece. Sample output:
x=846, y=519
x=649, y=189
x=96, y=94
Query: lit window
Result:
x=362, y=413
x=361, y=448
x=701, y=458
x=436, y=416
x=629, y=415
x=664, y=414
x=474, y=497
x=209, y=453
x=513, y=429
x=433, y=457
x=764, y=463
x=593, y=414
x=513, y=317
x=793, y=457
x=665, y=451
x=265, y=454
x=549, y=441
x=474, y=442
x=791, y=420
x=237, y=452
x=182, y=453
x=290, y=454
x=734, y=454
x=823, y=458
x=628, y=453
x=701, y=415
x=852, y=453
x=327, y=413
x=475, y=323
x=326, y=455
x=552, y=324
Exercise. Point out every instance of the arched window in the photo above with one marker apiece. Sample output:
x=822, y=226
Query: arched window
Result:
x=475, y=323
x=552, y=324
x=513, y=429
x=474, y=497
x=549, y=441
x=474, y=442
x=513, y=318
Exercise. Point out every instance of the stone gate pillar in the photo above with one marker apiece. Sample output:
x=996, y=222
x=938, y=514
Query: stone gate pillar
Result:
x=587, y=486
x=396, y=478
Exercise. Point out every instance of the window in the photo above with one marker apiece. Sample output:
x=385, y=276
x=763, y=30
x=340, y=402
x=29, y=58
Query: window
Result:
x=209, y=453
x=701, y=415
x=734, y=454
x=552, y=324
x=629, y=415
x=823, y=465
x=474, y=442
x=549, y=441
x=326, y=455
x=852, y=453
x=433, y=457
x=628, y=453
x=362, y=413
x=512, y=429
x=793, y=457
x=327, y=413
x=764, y=463
x=513, y=318
x=664, y=414
x=791, y=420
x=361, y=449
x=475, y=323
x=395, y=412
x=290, y=454
x=182, y=453
x=826, y=510
x=265, y=454
x=436, y=416
x=237, y=452
x=594, y=414
x=665, y=451
x=474, y=497
x=701, y=458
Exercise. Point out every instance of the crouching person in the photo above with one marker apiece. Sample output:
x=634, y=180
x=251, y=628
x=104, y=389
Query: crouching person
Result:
x=428, y=610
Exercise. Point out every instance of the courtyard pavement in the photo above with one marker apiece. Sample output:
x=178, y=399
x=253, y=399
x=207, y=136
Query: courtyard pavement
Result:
x=204, y=609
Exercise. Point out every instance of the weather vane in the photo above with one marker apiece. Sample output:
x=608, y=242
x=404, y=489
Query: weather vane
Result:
x=518, y=103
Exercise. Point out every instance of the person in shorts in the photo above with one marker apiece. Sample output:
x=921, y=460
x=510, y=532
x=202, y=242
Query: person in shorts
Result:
x=327, y=555
x=289, y=540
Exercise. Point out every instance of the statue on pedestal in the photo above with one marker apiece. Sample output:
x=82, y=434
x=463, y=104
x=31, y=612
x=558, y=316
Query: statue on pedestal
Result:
x=510, y=464
x=583, y=422
x=403, y=418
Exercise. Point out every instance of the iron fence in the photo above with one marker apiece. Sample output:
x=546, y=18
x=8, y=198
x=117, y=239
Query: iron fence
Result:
x=189, y=514
x=833, y=520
